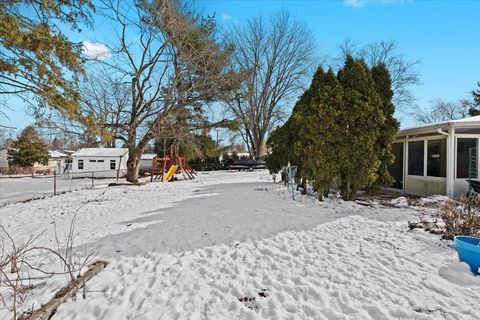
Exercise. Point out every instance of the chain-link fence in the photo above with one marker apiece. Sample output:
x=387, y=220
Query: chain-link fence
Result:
x=24, y=188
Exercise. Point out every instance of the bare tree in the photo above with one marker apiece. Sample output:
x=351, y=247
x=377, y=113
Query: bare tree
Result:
x=105, y=100
x=403, y=72
x=442, y=111
x=275, y=58
x=169, y=57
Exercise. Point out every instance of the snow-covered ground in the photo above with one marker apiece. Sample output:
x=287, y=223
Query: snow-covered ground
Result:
x=15, y=189
x=233, y=245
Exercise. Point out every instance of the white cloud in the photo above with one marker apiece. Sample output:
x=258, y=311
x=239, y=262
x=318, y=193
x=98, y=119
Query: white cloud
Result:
x=353, y=3
x=362, y=3
x=95, y=50
x=227, y=17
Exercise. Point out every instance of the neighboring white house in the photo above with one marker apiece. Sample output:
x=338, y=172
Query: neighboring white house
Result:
x=434, y=159
x=105, y=162
x=146, y=161
x=57, y=161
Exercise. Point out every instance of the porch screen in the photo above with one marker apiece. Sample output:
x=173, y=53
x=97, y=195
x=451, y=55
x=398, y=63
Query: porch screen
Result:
x=415, y=158
x=437, y=158
x=463, y=144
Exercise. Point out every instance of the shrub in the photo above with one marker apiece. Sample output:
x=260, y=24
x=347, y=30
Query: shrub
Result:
x=461, y=217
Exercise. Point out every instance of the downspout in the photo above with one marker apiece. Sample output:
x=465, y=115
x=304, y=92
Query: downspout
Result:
x=450, y=160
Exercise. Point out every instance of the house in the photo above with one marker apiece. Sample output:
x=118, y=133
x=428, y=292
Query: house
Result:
x=105, y=162
x=434, y=159
x=146, y=162
x=57, y=161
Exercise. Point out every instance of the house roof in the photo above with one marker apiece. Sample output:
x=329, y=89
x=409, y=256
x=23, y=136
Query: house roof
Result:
x=100, y=152
x=57, y=154
x=148, y=156
x=463, y=123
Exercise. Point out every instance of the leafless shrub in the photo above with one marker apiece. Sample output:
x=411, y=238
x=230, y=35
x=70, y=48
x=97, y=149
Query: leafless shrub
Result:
x=14, y=277
x=17, y=262
x=461, y=217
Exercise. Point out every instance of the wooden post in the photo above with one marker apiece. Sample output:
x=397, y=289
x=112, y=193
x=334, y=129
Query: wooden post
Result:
x=55, y=182
x=164, y=157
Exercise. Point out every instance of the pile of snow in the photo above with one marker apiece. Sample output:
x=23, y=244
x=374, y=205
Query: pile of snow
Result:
x=400, y=202
x=433, y=199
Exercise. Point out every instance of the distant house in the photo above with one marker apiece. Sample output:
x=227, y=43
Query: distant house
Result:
x=146, y=161
x=106, y=162
x=56, y=162
x=434, y=159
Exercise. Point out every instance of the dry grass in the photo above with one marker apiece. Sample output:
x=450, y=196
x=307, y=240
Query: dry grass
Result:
x=461, y=217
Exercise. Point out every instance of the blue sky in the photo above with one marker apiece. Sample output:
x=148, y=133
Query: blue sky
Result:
x=443, y=35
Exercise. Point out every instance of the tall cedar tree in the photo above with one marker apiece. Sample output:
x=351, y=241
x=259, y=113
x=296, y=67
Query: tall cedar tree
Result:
x=388, y=130
x=280, y=143
x=302, y=140
x=322, y=127
x=361, y=117
x=28, y=149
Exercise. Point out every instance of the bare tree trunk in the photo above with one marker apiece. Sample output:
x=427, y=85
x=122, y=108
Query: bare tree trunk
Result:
x=133, y=164
x=304, y=186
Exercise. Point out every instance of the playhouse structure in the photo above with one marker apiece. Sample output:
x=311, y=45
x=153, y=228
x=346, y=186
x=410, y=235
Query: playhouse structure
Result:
x=164, y=168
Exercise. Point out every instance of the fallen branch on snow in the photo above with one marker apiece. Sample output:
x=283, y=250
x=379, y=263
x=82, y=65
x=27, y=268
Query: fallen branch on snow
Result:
x=47, y=310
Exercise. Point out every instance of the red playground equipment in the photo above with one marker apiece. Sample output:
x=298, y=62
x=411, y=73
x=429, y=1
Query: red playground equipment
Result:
x=164, y=168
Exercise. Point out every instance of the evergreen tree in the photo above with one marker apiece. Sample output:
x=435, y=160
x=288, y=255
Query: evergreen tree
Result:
x=28, y=149
x=321, y=130
x=299, y=132
x=387, y=130
x=280, y=143
x=361, y=117
x=36, y=57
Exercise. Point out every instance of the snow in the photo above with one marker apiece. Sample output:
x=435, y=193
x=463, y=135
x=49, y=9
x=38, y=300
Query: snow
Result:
x=57, y=154
x=25, y=188
x=148, y=156
x=100, y=152
x=463, y=121
x=233, y=245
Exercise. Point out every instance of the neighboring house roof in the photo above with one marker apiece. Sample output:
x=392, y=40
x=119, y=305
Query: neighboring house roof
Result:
x=57, y=154
x=100, y=152
x=464, y=123
x=148, y=156
x=69, y=152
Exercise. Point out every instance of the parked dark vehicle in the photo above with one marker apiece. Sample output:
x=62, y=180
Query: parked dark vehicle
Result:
x=249, y=165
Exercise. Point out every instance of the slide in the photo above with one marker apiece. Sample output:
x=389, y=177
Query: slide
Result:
x=170, y=173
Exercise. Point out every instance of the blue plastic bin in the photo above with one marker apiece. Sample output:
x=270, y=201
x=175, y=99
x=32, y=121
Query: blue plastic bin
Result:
x=468, y=249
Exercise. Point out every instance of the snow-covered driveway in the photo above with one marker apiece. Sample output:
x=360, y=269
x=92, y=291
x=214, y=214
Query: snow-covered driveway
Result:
x=237, y=247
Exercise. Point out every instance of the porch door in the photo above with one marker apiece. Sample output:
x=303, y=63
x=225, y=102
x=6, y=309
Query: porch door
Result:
x=396, y=169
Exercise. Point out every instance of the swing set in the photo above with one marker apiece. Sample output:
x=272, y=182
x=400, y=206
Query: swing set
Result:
x=164, y=168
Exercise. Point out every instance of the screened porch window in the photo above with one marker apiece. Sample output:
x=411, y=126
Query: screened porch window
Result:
x=415, y=158
x=437, y=158
x=463, y=145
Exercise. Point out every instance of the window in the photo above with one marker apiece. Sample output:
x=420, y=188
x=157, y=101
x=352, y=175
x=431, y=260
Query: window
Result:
x=437, y=158
x=463, y=145
x=91, y=160
x=80, y=164
x=100, y=160
x=113, y=164
x=415, y=158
